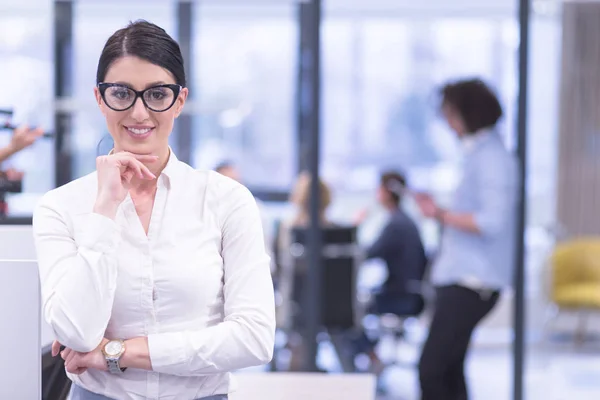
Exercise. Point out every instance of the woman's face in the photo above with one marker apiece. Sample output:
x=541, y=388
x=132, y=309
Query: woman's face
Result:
x=454, y=120
x=139, y=130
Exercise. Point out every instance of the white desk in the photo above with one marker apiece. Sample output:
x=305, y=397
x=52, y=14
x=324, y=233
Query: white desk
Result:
x=17, y=244
x=20, y=372
x=303, y=386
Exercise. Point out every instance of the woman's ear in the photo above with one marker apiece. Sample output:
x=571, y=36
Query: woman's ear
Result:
x=98, y=97
x=180, y=102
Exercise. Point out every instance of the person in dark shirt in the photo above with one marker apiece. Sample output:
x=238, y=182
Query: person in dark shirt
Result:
x=399, y=245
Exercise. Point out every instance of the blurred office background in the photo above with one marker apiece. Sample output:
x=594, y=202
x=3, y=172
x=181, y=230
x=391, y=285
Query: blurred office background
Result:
x=382, y=61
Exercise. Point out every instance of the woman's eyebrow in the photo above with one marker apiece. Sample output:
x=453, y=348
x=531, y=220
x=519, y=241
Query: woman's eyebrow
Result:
x=151, y=84
x=123, y=83
x=157, y=83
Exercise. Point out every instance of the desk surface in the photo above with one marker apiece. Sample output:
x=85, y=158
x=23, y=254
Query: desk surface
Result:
x=302, y=386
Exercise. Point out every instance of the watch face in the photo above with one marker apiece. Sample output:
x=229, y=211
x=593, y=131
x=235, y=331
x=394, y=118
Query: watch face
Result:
x=113, y=348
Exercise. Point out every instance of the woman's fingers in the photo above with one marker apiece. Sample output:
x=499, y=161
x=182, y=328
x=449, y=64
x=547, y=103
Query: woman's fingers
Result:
x=55, y=348
x=79, y=371
x=128, y=175
x=144, y=157
x=65, y=353
x=140, y=169
x=71, y=361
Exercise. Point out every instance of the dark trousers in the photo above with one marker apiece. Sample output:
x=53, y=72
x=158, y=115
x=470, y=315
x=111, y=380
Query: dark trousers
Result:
x=441, y=368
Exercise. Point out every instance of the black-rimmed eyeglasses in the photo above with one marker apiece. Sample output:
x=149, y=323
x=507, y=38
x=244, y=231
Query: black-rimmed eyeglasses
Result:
x=158, y=98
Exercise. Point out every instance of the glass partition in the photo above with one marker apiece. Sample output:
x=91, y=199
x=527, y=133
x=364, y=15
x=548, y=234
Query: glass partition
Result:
x=26, y=76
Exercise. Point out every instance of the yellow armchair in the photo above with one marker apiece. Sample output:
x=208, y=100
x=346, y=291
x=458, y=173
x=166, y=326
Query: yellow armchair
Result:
x=575, y=277
x=574, y=283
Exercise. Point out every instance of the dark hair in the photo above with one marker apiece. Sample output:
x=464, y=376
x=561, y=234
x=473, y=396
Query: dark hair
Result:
x=147, y=41
x=394, y=183
x=474, y=101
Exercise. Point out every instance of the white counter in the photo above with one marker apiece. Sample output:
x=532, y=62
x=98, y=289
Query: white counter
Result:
x=303, y=386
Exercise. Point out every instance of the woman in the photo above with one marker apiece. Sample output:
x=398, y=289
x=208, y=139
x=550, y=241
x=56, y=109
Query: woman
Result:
x=400, y=247
x=154, y=275
x=476, y=258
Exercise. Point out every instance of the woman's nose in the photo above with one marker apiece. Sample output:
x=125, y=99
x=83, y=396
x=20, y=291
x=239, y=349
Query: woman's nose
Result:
x=139, y=111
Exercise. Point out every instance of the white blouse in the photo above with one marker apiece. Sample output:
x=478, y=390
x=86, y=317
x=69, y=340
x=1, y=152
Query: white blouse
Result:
x=198, y=285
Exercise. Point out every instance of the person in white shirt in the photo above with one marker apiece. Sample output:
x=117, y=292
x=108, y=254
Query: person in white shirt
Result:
x=154, y=275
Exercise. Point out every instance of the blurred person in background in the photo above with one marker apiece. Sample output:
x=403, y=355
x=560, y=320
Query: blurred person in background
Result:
x=228, y=169
x=154, y=275
x=291, y=279
x=22, y=137
x=476, y=258
x=400, y=247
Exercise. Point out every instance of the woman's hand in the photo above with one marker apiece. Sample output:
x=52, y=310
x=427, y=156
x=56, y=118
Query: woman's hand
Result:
x=427, y=205
x=115, y=175
x=77, y=363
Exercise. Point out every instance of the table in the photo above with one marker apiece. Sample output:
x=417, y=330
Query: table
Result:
x=303, y=386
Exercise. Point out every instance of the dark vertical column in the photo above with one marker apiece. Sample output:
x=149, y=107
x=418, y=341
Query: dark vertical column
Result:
x=185, y=22
x=309, y=134
x=519, y=303
x=303, y=86
x=63, y=61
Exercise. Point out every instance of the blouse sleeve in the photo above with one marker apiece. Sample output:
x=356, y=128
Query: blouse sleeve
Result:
x=246, y=336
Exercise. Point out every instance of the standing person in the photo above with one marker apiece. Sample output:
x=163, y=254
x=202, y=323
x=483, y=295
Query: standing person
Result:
x=154, y=275
x=477, y=250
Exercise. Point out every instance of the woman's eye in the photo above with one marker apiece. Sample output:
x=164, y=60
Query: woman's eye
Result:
x=157, y=95
x=121, y=94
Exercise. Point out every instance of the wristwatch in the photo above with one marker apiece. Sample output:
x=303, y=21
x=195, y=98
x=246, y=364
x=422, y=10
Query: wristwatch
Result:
x=113, y=350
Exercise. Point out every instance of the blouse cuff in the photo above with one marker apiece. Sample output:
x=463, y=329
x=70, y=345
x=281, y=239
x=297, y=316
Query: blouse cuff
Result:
x=167, y=352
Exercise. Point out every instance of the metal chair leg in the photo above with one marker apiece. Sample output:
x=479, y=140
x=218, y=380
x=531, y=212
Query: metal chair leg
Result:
x=581, y=332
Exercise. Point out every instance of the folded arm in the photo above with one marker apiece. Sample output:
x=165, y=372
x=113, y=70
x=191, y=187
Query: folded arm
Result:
x=246, y=336
x=78, y=273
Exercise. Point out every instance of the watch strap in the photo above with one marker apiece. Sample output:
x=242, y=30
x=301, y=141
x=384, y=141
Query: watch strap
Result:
x=113, y=366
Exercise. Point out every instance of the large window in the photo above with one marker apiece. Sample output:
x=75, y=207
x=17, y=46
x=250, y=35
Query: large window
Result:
x=381, y=74
x=380, y=80
x=26, y=78
x=245, y=74
x=93, y=23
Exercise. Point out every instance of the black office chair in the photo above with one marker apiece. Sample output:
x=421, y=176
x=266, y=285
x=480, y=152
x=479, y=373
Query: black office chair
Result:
x=339, y=262
x=392, y=322
x=55, y=383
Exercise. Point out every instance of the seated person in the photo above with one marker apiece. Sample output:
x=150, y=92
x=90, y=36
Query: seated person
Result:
x=290, y=278
x=399, y=246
